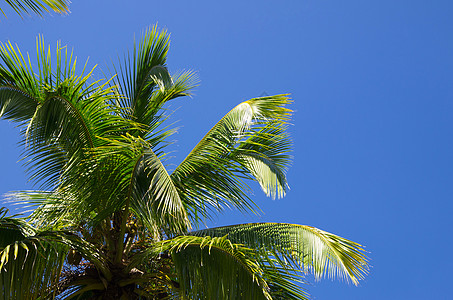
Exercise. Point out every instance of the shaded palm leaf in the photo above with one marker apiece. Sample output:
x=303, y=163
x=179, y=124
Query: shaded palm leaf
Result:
x=29, y=266
x=283, y=284
x=138, y=174
x=215, y=268
x=15, y=104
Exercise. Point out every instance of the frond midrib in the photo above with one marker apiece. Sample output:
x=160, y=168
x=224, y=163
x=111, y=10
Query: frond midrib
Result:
x=24, y=93
x=79, y=117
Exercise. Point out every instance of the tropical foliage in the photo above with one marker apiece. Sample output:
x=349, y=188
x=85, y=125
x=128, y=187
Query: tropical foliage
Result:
x=109, y=220
x=38, y=7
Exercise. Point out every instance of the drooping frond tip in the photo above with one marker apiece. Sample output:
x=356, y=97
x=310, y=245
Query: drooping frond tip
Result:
x=249, y=142
x=265, y=146
x=272, y=107
x=314, y=251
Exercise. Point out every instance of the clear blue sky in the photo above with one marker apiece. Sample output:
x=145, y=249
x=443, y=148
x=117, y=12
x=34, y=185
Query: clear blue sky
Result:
x=372, y=83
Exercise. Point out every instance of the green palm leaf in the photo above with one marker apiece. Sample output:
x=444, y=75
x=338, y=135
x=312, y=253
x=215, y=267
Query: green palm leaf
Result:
x=145, y=82
x=38, y=7
x=283, y=283
x=313, y=250
x=63, y=113
x=247, y=143
x=215, y=268
x=29, y=266
x=19, y=88
x=138, y=174
x=264, y=156
x=16, y=105
x=31, y=261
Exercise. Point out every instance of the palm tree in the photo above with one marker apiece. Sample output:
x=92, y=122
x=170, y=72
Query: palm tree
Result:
x=110, y=222
x=38, y=7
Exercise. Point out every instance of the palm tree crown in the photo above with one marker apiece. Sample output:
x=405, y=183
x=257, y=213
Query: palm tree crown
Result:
x=109, y=220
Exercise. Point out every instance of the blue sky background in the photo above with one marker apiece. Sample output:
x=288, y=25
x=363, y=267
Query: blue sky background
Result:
x=372, y=84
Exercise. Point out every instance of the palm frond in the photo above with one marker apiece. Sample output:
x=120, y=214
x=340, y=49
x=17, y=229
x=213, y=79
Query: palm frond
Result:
x=63, y=112
x=138, y=175
x=265, y=156
x=29, y=266
x=19, y=88
x=38, y=7
x=313, y=250
x=16, y=105
x=283, y=284
x=136, y=76
x=86, y=249
x=11, y=229
x=240, y=146
x=178, y=86
x=47, y=211
x=215, y=268
x=144, y=81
